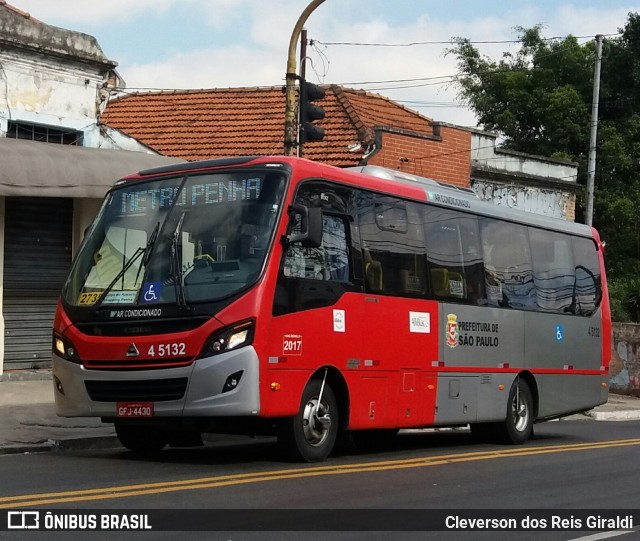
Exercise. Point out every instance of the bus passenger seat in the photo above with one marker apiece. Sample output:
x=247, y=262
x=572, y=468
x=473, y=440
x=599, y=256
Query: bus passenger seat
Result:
x=440, y=282
x=372, y=272
x=446, y=283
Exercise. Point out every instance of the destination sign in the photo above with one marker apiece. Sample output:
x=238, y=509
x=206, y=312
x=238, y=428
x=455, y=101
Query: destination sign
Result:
x=205, y=193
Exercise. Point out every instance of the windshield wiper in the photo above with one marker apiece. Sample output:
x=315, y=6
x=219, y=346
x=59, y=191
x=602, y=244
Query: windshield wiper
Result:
x=176, y=273
x=146, y=251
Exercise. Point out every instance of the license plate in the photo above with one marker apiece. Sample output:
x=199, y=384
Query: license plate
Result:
x=134, y=409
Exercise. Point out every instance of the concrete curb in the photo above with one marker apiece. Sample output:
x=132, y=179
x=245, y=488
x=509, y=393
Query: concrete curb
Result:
x=88, y=443
x=26, y=375
x=630, y=415
x=20, y=449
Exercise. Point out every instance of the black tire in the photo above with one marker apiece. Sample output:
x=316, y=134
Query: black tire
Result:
x=141, y=439
x=367, y=440
x=311, y=435
x=517, y=427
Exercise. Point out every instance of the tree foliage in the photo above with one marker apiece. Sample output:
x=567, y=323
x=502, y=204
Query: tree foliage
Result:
x=539, y=99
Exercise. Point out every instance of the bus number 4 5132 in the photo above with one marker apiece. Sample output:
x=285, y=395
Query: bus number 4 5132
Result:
x=174, y=349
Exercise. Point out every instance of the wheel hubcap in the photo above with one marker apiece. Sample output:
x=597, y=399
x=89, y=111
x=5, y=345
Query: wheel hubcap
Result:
x=520, y=412
x=316, y=422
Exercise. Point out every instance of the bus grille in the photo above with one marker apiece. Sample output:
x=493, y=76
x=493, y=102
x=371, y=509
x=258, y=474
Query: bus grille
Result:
x=138, y=364
x=141, y=327
x=154, y=390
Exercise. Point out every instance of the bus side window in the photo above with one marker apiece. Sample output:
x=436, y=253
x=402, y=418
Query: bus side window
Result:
x=334, y=242
x=473, y=268
x=553, y=270
x=454, y=255
x=393, y=251
x=588, y=284
x=508, y=269
x=329, y=261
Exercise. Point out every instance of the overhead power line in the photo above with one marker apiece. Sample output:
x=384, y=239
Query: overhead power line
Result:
x=448, y=42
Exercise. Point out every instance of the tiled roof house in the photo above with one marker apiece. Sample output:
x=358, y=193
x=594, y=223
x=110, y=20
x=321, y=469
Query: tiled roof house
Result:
x=360, y=128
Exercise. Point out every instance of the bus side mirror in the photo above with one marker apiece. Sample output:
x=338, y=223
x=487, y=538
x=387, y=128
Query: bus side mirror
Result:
x=310, y=235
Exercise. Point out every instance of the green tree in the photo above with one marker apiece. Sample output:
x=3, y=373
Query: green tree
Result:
x=539, y=100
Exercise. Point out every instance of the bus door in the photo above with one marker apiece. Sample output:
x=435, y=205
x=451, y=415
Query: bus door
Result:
x=397, y=326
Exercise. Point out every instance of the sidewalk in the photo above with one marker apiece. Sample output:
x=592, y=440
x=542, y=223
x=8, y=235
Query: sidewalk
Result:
x=28, y=421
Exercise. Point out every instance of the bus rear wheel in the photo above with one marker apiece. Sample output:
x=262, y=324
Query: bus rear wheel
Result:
x=140, y=438
x=517, y=428
x=518, y=425
x=311, y=434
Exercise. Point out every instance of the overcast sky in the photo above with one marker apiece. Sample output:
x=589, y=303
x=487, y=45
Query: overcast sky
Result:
x=165, y=44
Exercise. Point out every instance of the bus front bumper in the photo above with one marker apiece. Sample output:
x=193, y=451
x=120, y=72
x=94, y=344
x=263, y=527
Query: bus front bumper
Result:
x=224, y=385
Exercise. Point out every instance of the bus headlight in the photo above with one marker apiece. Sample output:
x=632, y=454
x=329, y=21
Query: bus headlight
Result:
x=64, y=348
x=229, y=338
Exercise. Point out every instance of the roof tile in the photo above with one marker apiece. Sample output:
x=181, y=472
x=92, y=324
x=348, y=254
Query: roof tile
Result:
x=199, y=124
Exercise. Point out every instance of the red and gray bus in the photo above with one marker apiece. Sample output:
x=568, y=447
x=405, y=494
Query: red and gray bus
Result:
x=280, y=296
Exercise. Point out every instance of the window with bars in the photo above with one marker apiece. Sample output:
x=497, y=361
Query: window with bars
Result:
x=45, y=134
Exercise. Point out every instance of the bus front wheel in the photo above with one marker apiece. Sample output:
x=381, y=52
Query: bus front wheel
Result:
x=141, y=439
x=311, y=434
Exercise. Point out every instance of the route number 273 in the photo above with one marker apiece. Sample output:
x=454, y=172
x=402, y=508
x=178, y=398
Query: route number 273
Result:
x=173, y=349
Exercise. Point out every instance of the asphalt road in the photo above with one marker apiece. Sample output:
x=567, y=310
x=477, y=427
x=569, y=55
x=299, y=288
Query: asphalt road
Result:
x=570, y=466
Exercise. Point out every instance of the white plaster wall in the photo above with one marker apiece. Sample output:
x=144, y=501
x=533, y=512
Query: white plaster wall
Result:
x=484, y=155
x=44, y=91
x=42, y=88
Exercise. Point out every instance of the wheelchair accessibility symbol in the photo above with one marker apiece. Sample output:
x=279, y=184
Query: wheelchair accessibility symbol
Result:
x=151, y=292
x=559, y=333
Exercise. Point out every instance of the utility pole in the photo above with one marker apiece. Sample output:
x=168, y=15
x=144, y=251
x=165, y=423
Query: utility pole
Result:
x=591, y=164
x=290, y=131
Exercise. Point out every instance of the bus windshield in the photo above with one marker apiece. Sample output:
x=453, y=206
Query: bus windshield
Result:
x=177, y=240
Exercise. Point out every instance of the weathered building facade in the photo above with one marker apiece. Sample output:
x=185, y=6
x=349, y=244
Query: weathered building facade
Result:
x=524, y=181
x=55, y=82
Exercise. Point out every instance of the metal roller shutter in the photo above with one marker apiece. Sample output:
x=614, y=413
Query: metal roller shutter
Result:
x=37, y=257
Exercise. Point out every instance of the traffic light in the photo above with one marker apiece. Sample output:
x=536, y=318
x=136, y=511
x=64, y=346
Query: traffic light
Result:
x=309, y=93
